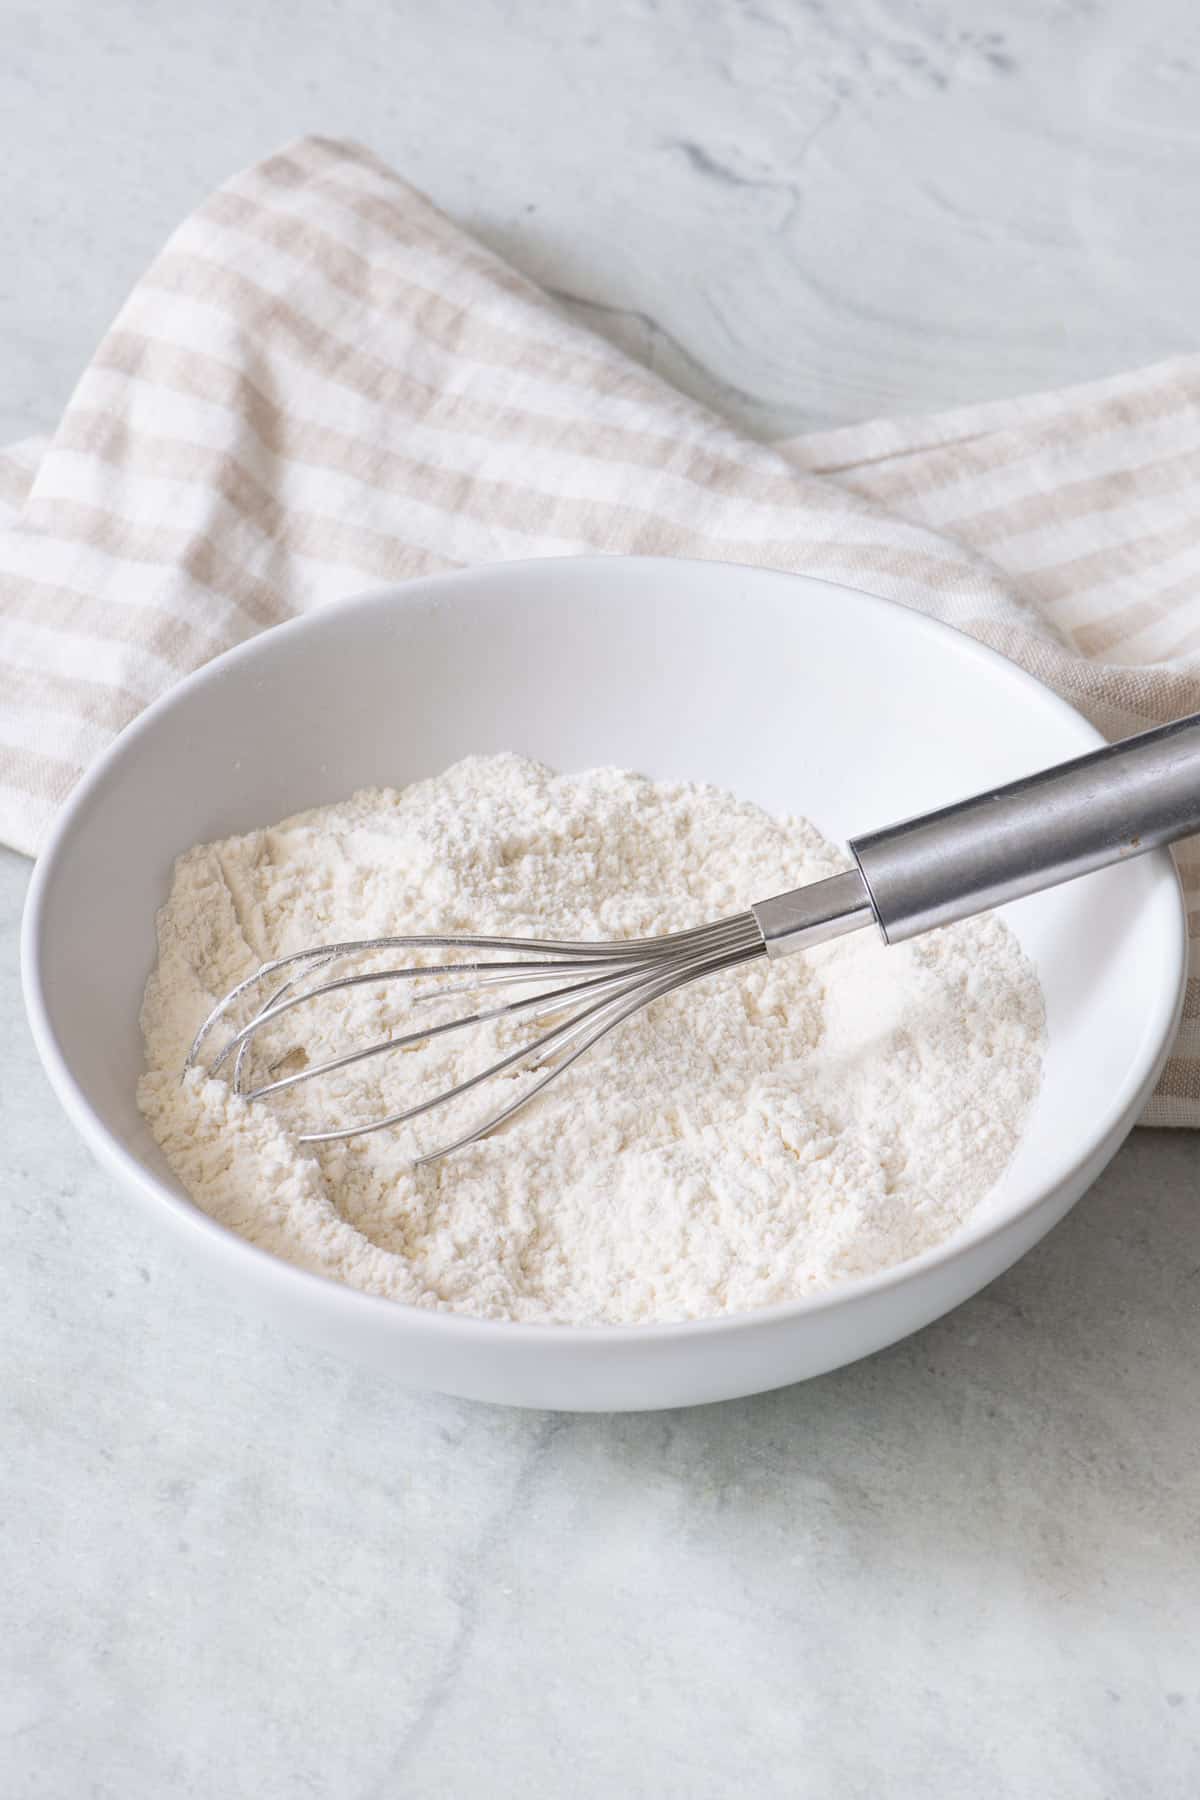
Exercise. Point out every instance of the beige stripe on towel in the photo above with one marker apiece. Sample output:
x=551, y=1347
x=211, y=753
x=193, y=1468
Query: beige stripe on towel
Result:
x=322, y=383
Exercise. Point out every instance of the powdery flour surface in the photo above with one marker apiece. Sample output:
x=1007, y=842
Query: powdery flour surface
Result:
x=755, y=1138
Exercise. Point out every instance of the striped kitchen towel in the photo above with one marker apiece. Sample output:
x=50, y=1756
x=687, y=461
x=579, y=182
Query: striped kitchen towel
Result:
x=321, y=383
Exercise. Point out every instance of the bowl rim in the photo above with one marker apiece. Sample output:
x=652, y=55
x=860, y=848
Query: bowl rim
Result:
x=307, y=1286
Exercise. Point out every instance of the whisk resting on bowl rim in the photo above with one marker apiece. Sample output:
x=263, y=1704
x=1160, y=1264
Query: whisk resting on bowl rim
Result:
x=1114, y=803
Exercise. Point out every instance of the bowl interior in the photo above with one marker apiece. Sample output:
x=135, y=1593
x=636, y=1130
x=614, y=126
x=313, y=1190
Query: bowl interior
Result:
x=803, y=696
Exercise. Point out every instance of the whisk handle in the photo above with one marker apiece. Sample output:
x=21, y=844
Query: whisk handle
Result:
x=1114, y=803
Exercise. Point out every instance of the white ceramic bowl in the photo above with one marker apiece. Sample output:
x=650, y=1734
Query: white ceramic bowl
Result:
x=803, y=696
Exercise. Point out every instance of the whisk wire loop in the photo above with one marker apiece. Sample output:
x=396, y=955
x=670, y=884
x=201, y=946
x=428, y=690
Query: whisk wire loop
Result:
x=598, y=986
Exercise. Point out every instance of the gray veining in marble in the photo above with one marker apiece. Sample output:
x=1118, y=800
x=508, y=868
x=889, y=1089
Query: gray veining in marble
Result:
x=969, y=1566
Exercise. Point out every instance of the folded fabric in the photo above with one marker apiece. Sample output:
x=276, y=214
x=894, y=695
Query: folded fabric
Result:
x=321, y=384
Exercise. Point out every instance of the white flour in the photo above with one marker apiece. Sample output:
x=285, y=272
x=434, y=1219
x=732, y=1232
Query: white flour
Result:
x=757, y=1137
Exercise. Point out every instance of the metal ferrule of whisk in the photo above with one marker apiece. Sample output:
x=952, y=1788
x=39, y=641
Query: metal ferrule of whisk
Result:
x=1049, y=827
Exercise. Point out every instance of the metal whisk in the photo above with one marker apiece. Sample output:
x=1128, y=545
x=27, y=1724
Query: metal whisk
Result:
x=1114, y=803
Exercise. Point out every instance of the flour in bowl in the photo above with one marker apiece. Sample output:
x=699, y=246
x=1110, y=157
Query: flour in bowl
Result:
x=755, y=1138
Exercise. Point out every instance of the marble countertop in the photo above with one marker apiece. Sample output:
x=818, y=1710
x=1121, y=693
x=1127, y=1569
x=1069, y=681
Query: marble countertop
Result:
x=968, y=1566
